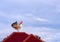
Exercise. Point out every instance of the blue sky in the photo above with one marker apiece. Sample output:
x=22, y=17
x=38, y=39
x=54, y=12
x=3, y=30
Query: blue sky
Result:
x=40, y=17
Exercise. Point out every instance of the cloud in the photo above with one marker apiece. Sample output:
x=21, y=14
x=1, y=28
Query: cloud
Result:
x=42, y=8
x=29, y=14
x=25, y=17
x=32, y=17
x=41, y=20
x=31, y=1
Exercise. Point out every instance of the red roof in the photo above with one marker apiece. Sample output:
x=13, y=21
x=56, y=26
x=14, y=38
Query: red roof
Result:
x=21, y=37
x=32, y=38
x=16, y=37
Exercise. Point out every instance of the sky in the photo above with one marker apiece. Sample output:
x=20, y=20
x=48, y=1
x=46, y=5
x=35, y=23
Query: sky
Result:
x=40, y=17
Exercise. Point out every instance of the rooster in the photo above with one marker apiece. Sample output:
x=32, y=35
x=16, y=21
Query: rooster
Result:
x=16, y=25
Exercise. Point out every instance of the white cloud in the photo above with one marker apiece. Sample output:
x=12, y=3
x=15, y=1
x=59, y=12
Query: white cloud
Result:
x=29, y=14
x=24, y=17
x=48, y=1
x=42, y=20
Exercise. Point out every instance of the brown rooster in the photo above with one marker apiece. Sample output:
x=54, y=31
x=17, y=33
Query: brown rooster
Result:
x=16, y=25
